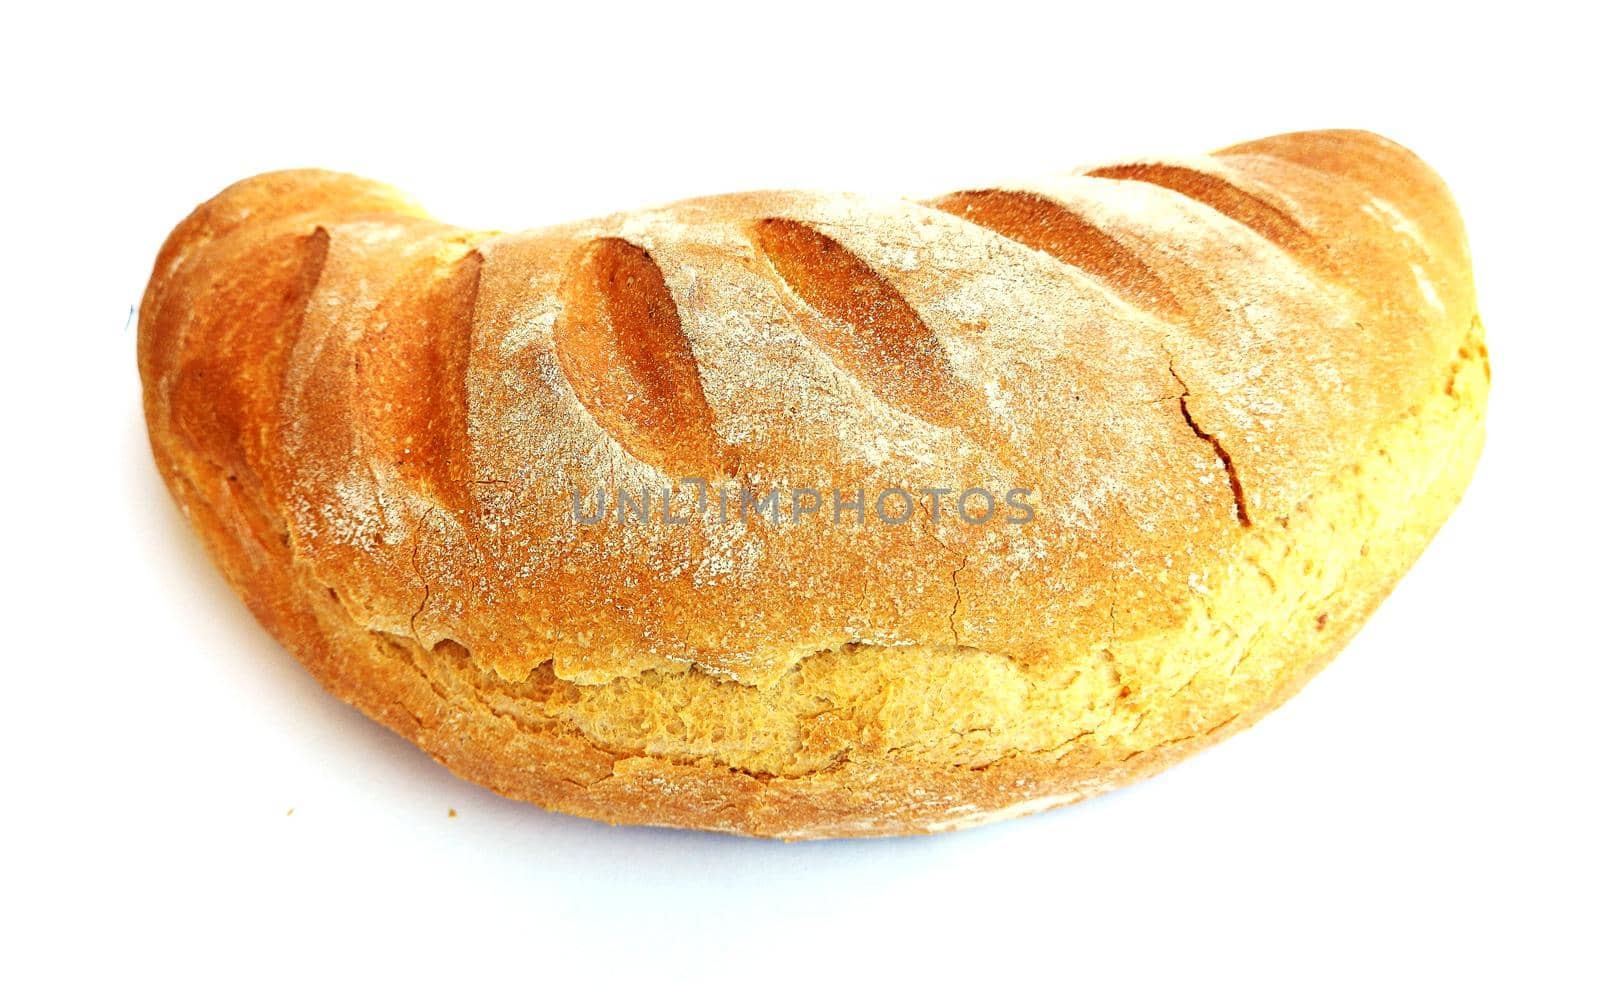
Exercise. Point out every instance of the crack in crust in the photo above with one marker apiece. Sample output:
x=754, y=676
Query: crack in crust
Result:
x=1240, y=510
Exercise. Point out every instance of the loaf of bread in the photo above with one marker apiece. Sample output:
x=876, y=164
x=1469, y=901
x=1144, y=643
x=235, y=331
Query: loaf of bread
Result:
x=809, y=515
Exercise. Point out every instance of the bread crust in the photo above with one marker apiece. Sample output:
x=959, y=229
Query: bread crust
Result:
x=1244, y=390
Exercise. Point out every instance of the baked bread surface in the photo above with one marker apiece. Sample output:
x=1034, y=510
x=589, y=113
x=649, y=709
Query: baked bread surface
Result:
x=1241, y=392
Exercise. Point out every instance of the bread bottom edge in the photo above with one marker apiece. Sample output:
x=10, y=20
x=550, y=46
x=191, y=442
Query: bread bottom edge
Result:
x=1360, y=534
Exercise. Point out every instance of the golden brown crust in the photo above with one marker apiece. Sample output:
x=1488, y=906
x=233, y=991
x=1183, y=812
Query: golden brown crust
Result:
x=1244, y=390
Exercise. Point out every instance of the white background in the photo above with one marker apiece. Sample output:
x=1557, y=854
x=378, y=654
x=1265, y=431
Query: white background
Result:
x=1419, y=820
